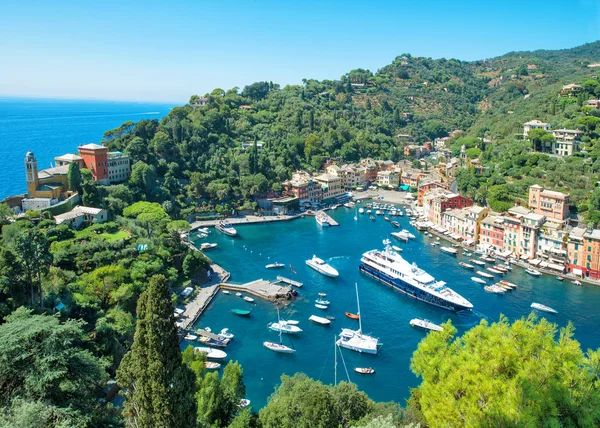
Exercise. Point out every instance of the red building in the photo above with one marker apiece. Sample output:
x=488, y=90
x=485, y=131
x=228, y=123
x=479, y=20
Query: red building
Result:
x=95, y=158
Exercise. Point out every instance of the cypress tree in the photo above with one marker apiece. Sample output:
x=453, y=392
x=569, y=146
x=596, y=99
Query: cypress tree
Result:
x=159, y=388
x=74, y=177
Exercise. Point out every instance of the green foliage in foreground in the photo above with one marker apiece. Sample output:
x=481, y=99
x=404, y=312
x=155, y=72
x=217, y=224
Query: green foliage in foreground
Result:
x=158, y=386
x=507, y=375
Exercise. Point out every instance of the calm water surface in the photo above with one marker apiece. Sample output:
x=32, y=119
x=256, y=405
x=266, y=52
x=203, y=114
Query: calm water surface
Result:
x=386, y=313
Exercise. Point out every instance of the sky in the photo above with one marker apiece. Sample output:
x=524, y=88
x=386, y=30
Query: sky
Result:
x=166, y=51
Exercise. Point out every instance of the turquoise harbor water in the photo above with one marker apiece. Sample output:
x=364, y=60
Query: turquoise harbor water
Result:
x=51, y=128
x=386, y=312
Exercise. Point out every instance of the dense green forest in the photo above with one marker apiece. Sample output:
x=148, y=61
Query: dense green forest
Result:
x=81, y=306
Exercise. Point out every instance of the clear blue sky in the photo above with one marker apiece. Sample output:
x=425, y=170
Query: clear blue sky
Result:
x=167, y=51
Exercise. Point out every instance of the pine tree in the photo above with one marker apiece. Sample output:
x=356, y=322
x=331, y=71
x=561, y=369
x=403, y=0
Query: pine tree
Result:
x=159, y=388
x=311, y=118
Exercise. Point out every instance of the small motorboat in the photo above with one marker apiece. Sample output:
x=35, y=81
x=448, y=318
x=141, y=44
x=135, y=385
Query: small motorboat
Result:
x=244, y=403
x=386, y=218
x=560, y=278
x=210, y=365
x=319, y=320
x=330, y=317
x=248, y=299
x=321, y=306
x=364, y=370
x=190, y=337
x=225, y=292
x=225, y=334
x=238, y=294
x=544, y=308
x=214, y=354
x=425, y=324
x=488, y=259
x=508, y=284
x=477, y=262
x=284, y=327
x=397, y=249
x=478, y=280
x=291, y=322
x=204, y=230
x=372, y=218
x=241, y=312
x=275, y=266
x=407, y=233
x=485, y=274
x=395, y=224
x=322, y=302
x=533, y=272
x=467, y=254
x=449, y=250
x=323, y=294
x=466, y=265
x=352, y=316
x=494, y=289
x=577, y=282
x=493, y=270
x=206, y=246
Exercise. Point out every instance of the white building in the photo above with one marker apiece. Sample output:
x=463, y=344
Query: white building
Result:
x=534, y=124
x=118, y=167
x=79, y=215
x=332, y=185
x=566, y=141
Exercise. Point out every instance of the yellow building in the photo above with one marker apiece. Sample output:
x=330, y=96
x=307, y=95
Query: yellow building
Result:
x=48, y=183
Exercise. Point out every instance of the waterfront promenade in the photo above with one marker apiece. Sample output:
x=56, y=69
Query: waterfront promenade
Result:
x=250, y=219
x=267, y=290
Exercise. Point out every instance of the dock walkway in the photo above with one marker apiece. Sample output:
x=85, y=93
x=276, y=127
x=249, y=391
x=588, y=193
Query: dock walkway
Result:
x=251, y=219
x=288, y=281
x=197, y=305
x=262, y=289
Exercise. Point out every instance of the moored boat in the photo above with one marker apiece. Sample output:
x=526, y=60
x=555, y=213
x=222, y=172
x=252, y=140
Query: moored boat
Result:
x=395, y=224
x=275, y=265
x=493, y=270
x=395, y=248
x=352, y=316
x=466, y=265
x=278, y=347
x=226, y=228
x=484, y=274
x=284, y=327
x=210, y=365
x=323, y=268
x=477, y=262
x=400, y=235
x=213, y=354
x=206, y=246
x=407, y=233
x=533, y=272
x=248, y=299
x=225, y=292
x=356, y=340
x=319, y=320
x=508, y=284
x=241, y=312
x=392, y=269
x=364, y=370
x=449, y=250
x=494, y=289
x=425, y=324
x=543, y=308
x=190, y=337
x=321, y=306
x=322, y=302
x=478, y=280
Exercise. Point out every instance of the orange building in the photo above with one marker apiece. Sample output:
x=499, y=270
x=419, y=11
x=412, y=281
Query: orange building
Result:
x=95, y=158
x=549, y=203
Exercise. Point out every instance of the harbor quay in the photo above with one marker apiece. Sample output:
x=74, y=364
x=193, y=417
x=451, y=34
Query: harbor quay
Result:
x=250, y=219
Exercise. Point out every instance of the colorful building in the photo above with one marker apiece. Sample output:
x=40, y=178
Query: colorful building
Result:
x=95, y=158
x=426, y=185
x=551, y=204
x=583, y=249
x=491, y=232
x=388, y=178
x=49, y=183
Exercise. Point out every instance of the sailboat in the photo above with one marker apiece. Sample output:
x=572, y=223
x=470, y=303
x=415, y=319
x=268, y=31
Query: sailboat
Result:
x=356, y=340
x=279, y=347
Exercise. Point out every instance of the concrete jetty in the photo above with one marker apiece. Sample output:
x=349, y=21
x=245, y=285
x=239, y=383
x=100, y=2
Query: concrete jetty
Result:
x=197, y=305
x=262, y=289
x=251, y=219
x=289, y=281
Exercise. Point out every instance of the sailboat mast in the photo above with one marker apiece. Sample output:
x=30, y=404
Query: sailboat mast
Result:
x=279, y=323
x=358, y=305
x=335, y=364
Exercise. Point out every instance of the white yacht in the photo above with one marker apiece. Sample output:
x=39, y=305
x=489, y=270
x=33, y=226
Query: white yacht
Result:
x=449, y=250
x=392, y=269
x=275, y=265
x=407, y=233
x=361, y=210
x=284, y=327
x=425, y=324
x=226, y=228
x=322, y=219
x=400, y=235
x=213, y=354
x=544, y=308
x=356, y=340
x=225, y=334
x=323, y=268
x=319, y=320
x=533, y=272
x=478, y=280
x=206, y=246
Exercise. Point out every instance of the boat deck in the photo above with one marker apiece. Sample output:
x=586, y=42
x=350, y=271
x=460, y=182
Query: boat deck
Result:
x=261, y=288
x=288, y=281
x=330, y=220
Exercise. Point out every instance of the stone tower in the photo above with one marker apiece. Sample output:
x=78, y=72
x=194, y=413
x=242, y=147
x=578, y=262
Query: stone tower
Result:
x=463, y=156
x=31, y=173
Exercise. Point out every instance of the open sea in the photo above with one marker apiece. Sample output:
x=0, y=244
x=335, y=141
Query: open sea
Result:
x=51, y=128
x=386, y=313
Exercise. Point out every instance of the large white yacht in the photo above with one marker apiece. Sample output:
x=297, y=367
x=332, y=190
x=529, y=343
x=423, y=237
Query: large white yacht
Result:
x=356, y=340
x=392, y=269
x=323, y=268
x=226, y=228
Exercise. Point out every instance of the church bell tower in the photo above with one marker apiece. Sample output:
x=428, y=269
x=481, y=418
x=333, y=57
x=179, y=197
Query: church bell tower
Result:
x=31, y=173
